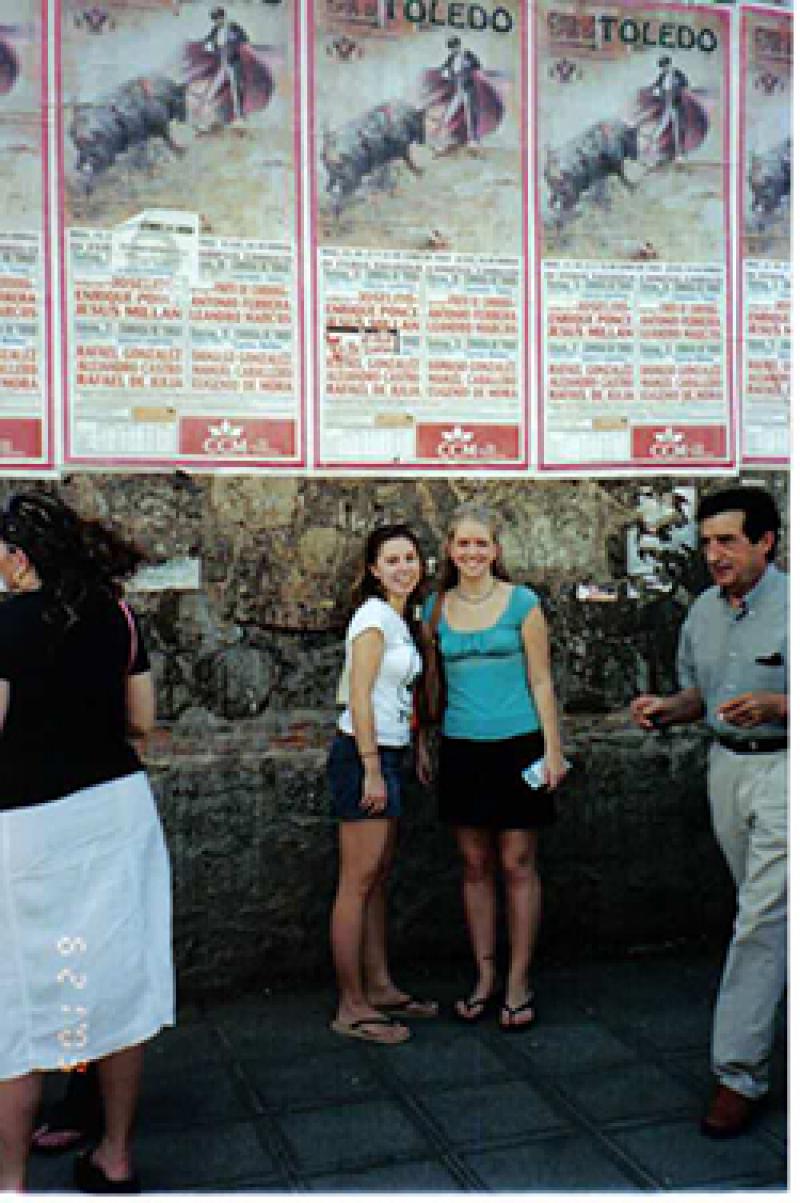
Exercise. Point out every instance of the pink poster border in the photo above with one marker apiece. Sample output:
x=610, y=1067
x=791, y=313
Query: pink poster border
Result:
x=45, y=462
x=636, y=465
x=204, y=464
x=518, y=467
x=748, y=11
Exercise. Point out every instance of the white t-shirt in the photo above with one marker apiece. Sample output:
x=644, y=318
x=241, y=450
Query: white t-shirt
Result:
x=401, y=663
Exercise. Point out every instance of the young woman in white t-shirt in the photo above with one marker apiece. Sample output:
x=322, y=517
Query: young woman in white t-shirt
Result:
x=367, y=773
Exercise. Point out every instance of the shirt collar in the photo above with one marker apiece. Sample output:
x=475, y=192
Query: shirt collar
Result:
x=761, y=586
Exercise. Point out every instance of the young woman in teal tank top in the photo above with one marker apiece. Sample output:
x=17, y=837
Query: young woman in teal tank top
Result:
x=500, y=717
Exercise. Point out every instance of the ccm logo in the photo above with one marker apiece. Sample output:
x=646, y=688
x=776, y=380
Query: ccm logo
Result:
x=224, y=438
x=455, y=442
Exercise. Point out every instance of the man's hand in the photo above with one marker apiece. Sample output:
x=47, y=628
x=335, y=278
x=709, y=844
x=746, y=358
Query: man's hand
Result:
x=649, y=711
x=753, y=709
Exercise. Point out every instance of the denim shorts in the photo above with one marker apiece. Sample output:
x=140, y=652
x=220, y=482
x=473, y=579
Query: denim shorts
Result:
x=346, y=779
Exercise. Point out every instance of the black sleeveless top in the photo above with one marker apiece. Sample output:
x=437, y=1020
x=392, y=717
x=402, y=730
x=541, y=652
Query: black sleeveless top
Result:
x=65, y=727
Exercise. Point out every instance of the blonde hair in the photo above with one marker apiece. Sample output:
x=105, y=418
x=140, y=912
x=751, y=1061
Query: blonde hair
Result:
x=470, y=511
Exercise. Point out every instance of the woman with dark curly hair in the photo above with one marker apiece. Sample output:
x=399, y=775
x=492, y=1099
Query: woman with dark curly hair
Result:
x=85, y=905
x=367, y=773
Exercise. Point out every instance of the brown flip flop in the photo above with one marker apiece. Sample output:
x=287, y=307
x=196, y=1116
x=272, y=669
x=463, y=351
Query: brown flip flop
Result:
x=356, y=1029
x=410, y=1008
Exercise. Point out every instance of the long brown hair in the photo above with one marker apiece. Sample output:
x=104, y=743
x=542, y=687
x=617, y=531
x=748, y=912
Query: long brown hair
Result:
x=470, y=511
x=367, y=585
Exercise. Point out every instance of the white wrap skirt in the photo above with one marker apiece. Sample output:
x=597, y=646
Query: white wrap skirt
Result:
x=86, y=927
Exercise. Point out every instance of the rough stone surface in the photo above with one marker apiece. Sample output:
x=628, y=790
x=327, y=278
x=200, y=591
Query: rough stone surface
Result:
x=630, y=862
x=246, y=671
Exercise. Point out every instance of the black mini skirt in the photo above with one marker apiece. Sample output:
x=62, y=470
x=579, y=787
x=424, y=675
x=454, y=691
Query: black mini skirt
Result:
x=480, y=783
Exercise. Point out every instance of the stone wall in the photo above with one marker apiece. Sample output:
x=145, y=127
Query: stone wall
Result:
x=246, y=668
x=630, y=861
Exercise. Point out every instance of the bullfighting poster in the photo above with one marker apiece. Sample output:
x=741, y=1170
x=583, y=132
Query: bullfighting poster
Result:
x=26, y=397
x=182, y=233
x=417, y=119
x=765, y=282
x=633, y=232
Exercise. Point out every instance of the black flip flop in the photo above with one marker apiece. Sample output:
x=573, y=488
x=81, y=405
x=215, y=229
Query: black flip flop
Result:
x=74, y=1137
x=512, y=1011
x=91, y=1180
x=68, y=1118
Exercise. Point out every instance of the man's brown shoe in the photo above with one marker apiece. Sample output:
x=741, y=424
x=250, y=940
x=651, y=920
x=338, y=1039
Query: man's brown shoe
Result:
x=729, y=1115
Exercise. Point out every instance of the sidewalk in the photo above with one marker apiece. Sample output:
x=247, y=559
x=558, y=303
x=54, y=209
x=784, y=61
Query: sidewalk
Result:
x=603, y=1093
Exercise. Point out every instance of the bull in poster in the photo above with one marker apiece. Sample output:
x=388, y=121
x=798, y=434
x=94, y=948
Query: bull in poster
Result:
x=766, y=87
x=166, y=101
x=9, y=59
x=417, y=124
x=631, y=136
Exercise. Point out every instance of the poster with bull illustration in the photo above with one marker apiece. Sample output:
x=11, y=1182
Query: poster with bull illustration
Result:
x=765, y=278
x=181, y=232
x=26, y=403
x=633, y=218
x=418, y=233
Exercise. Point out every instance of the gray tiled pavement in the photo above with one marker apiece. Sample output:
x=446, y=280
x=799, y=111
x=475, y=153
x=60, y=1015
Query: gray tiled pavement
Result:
x=603, y=1093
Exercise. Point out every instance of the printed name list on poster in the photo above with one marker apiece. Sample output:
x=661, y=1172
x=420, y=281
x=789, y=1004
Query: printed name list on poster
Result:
x=26, y=425
x=765, y=174
x=633, y=209
x=181, y=235
x=419, y=202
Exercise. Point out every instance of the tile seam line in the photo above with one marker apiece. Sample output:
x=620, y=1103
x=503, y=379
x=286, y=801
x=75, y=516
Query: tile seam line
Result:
x=274, y=1144
x=403, y=1095
x=641, y=1176
x=665, y=1060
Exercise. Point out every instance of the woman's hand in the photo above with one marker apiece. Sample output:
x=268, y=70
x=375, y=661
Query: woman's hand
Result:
x=374, y=796
x=555, y=769
x=424, y=763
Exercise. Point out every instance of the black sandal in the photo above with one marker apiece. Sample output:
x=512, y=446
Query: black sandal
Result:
x=91, y=1180
x=512, y=1011
x=77, y=1118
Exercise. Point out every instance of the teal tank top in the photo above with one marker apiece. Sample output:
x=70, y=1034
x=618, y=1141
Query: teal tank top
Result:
x=488, y=696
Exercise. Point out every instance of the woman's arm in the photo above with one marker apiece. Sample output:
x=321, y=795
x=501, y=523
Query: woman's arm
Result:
x=536, y=641
x=140, y=704
x=366, y=655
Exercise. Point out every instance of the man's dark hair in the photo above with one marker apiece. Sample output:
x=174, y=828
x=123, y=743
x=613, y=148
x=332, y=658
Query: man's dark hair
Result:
x=664, y=61
x=759, y=508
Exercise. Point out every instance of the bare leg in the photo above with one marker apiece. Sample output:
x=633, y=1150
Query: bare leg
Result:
x=477, y=848
x=74, y=1117
x=362, y=849
x=120, y=1076
x=524, y=904
x=378, y=984
x=19, y=1098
